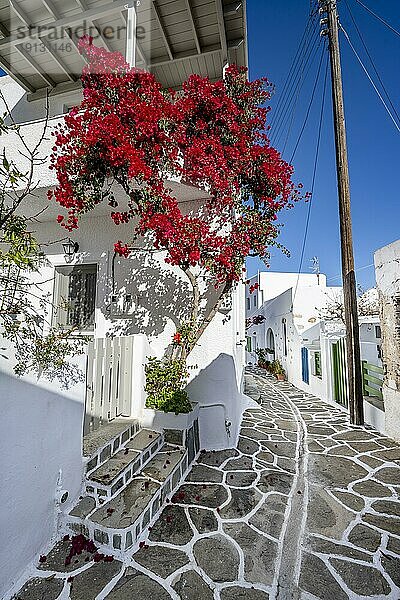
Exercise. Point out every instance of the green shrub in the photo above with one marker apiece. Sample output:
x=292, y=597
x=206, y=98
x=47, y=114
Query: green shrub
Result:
x=276, y=368
x=165, y=383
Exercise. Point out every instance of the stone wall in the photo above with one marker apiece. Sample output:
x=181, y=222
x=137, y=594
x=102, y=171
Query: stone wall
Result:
x=387, y=269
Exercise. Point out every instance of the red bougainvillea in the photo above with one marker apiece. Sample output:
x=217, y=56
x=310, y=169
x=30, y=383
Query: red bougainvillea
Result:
x=129, y=135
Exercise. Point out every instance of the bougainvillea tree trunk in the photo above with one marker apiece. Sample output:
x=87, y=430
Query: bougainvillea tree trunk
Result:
x=129, y=133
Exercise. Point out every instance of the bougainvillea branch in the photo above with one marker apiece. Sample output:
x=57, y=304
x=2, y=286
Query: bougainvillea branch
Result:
x=129, y=134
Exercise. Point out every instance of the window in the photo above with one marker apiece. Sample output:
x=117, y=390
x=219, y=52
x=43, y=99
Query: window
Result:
x=248, y=303
x=378, y=332
x=248, y=343
x=75, y=296
x=284, y=332
x=317, y=364
x=255, y=299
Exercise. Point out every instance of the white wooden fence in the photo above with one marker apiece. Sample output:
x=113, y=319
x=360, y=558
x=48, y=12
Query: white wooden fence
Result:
x=109, y=380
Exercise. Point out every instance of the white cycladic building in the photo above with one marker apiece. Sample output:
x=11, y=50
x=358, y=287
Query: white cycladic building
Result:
x=310, y=349
x=136, y=301
x=387, y=272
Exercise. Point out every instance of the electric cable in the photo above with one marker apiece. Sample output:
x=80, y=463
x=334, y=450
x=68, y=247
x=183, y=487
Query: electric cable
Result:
x=379, y=18
x=297, y=84
x=369, y=77
x=371, y=60
x=301, y=63
x=309, y=106
x=321, y=116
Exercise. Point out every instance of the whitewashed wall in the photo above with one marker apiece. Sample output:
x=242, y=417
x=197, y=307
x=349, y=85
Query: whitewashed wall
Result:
x=40, y=448
x=387, y=261
x=159, y=292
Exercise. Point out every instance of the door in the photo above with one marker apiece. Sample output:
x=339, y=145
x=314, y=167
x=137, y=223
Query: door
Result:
x=339, y=368
x=305, y=372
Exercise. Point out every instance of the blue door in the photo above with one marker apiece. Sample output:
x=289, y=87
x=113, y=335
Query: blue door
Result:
x=305, y=375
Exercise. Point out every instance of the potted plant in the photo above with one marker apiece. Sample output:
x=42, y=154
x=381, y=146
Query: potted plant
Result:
x=270, y=354
x=167, y=404
x=263, y=360
x=278, y=370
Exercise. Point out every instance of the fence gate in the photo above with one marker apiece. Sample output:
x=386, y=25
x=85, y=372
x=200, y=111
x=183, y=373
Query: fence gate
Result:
x=339, y=365
x=372, y=380
x=108, y=380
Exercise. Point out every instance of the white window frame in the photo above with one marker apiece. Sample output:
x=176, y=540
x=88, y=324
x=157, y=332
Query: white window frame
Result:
x=58, y=291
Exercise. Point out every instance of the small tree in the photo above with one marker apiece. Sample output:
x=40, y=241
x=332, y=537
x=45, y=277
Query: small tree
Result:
x=367, y=304
x=38, y=347
x=129, y=133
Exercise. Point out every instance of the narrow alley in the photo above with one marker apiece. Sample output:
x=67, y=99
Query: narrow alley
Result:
x=306, y=507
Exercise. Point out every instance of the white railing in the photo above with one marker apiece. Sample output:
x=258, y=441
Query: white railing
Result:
x=114, y=379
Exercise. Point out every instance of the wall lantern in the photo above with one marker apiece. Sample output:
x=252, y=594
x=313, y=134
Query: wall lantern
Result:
x=70, y=248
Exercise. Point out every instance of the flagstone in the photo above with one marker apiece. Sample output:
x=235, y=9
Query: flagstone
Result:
x=161, y=560
x=243, y=501
x=259, y=553
x=218, y=557
x=204, y=520
x=208, y=495
x=190, y=586
x=365, y=537
x=242, y=593
x=172, y=526
x=316, y=579
x=88, y=584
x=40, y=589
x=361, y=579
x=135, y=584
x=204, y=473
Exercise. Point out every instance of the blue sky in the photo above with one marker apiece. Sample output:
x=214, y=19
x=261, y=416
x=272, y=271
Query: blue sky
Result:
x=274, y=32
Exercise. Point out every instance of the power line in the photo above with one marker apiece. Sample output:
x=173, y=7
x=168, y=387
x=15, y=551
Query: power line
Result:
x=294, y=62
x=308, y=110
x=299, y=67
x=379, y=18
x=370, y=78
x=299, y=52
x=372, y=61
x=297, y=83
x=288, y=117
x=309, y=107
x=312, y=182
x=357, y=270
x=296, y=80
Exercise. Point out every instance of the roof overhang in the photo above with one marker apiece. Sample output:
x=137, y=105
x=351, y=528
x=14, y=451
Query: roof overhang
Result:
x=174, y=38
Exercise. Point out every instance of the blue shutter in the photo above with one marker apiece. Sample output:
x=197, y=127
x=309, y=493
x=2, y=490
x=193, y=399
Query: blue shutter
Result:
x=305, y=375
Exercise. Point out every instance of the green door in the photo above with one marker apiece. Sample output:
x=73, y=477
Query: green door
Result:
x=339, y=366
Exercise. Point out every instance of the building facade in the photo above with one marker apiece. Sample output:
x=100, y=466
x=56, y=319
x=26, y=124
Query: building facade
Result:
x=137, y=301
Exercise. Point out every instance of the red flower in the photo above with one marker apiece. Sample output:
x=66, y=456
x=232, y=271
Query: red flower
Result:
x=177, y=338
x=121, y=249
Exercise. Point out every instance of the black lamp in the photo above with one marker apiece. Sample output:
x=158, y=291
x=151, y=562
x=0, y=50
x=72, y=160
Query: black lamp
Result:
x=70, y=247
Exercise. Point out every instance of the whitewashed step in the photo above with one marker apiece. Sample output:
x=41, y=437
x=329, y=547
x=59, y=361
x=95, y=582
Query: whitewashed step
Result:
x=118, y=524
x=99, y=445
x=113, y=475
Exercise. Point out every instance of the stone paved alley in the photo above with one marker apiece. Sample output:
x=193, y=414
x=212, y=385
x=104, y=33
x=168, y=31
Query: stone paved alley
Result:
x=306, y=507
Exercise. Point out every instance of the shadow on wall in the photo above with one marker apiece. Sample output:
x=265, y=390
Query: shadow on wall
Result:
x=221, y=402
x=143, y=294
x=157, y=294
x=40, y=448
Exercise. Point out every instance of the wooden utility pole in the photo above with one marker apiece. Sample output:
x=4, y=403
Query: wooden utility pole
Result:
x=356, y=406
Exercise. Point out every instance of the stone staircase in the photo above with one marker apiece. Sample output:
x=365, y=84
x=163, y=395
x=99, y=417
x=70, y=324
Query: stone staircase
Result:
x=130, y=474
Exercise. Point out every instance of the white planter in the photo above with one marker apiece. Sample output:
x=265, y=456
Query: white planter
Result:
x=158, y=420
x=181, y=430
